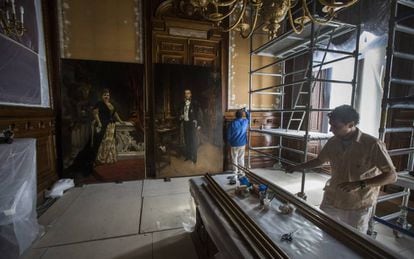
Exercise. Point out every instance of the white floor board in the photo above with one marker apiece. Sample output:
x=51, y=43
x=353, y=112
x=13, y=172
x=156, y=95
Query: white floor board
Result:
x=164, y=212
x=159, y=187
x=101, y=211
x=60, y=206
x=138, y=246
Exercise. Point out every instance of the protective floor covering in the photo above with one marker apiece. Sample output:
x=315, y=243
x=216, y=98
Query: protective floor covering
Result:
x=164, y=212
x=95, y=214
x=161, y=187
x=137, y=246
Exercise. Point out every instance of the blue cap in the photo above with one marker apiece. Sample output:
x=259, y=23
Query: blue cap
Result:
x=262, y=187
x=244, y=181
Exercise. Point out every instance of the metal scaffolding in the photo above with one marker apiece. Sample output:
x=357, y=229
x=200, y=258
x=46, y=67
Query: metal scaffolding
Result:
x=314, y=39
x=400, y=23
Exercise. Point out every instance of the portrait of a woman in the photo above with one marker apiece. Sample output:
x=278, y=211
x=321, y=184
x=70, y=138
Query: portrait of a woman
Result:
x=105, y=117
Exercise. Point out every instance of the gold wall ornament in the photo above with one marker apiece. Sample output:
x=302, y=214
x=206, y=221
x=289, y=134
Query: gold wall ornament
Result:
x=11, y=21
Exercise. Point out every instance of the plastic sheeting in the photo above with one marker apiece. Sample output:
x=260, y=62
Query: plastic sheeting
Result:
x=19, y=74
x=227, y=240
x=59, y=188
x=23, y=70
x=309, y=241
x=372, y=44
x=18, y=217
x=189, y=216
x=374, y=15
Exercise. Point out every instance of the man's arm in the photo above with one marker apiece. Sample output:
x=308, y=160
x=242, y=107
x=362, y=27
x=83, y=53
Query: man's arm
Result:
x=307, y=165
x=386, y=177
x=247, y=114
x=384, y=163
x=382, y=179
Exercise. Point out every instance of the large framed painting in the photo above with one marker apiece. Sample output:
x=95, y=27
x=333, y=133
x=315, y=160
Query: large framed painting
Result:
x=188, y=121
x=103, y=119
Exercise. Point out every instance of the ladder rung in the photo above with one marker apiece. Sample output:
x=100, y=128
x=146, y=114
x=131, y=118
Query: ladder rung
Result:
x=334, y=51
x=295, y=119
x=408, y=3
x=404, y=55
x=401, y=106
x=266, y=74
x=300, y=106
x=398, y=130
x=402, y=81
x=333, y=81
x=406, y=102
x=405, y=29
x=269, y=93
x=303, y=92
x=401, y=151
x=265, y=148
x=391, y=196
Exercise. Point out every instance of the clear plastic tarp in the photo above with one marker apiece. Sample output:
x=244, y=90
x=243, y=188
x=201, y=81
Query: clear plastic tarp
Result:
x=23, y=70
x=374, y=18
x=18, y=217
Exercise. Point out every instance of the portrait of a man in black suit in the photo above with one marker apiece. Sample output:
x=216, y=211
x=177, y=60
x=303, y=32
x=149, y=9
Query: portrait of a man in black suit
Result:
x=188, y=121
x=190, y=117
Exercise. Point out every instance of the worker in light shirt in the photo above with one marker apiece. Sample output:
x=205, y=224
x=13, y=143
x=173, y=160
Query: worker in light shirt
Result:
x=360, y=165
x=237, y=138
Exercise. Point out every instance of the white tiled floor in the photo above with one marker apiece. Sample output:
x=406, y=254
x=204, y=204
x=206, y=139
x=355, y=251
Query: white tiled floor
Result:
x=103, y=221
x=136, y=246
x=143, y=219
x=164, y=212
x=160, y=187
x=100, y=211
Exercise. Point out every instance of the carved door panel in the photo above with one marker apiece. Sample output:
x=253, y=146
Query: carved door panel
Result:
x=203, y=53
x=170, y=50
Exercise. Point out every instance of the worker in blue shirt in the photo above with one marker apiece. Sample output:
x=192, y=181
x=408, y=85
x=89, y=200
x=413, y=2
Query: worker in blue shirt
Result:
x=237, y=138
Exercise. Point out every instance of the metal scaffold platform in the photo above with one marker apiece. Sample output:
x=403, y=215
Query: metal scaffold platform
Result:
x=313, y=44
